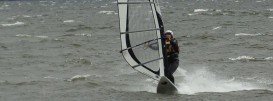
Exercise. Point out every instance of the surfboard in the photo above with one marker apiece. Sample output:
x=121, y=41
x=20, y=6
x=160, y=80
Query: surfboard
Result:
x=165, y=86
x=141, y=28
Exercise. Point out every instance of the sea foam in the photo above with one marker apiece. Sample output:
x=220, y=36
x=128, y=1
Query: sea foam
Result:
x=202, y=80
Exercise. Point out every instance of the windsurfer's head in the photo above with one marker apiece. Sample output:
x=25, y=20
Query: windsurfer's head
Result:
x=169, y=34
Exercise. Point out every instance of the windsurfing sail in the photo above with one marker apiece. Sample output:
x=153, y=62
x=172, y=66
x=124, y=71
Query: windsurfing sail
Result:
x=141, y=29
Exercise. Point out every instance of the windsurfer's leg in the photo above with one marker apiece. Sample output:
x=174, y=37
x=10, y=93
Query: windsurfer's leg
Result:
x=169, y=75
x=171, y=78
x=171, y=69
x=173, y=66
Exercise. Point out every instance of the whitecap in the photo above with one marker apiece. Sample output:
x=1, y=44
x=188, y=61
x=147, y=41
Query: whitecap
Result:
x=200, y=10
x=5, y=6
x=218, y=10
x=51, y=77
x=43, y=1
x=271, y=17
x=68, y=21
x=243, y=58
x=84, y=34
x=215, y=28
x=103, y=6
x=43, y=37
x=269, y=58
x=13, y=24
x=26, y=16
x=191, y=14
x=107, y=12
x=246, y=34
x=259, y=1
x=23, y=35
x=78, y=77
x=39, y=15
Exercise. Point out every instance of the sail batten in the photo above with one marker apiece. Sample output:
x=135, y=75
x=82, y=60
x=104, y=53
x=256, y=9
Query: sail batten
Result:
x=136, y=3
x=139, y=31
x=147, y=62
x=141, y=39
x=146, y=42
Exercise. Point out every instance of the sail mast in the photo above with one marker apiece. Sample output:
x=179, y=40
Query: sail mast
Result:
x=159, y=24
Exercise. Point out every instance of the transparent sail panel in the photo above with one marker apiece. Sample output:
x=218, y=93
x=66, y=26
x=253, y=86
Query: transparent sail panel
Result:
x=141, y=22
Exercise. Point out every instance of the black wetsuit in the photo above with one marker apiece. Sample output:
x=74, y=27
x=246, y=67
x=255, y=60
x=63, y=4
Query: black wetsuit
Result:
x=172, y=59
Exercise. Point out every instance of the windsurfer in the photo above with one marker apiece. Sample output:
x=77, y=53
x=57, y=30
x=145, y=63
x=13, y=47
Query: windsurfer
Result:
x=172, y=50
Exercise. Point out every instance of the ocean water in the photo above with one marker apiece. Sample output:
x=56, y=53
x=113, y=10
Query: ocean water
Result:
x=68, y=50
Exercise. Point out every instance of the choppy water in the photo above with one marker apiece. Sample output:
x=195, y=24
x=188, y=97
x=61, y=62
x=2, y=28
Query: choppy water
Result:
x=67, y=50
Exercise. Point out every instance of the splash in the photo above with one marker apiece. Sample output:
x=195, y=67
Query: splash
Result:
x=202, y=80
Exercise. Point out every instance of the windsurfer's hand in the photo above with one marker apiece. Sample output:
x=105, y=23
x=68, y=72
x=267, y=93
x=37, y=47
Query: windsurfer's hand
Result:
x=146, y=45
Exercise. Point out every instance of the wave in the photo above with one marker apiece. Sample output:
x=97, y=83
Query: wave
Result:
x=68, y=21
x=27, y=35
x=218, y=27
x=78, y=78
x=250, y=58
x=79, y=28
x=270, y=9
x=243, y=58
x=22, y=83
x=246, y=34
x=13, y=24
x=80, y=61
x=107, y=12
x=26, y=16
x=84, y=34
x=23, y=35
x=42, y=37
x=229, y=12
x=4, y=6
x=200, y=10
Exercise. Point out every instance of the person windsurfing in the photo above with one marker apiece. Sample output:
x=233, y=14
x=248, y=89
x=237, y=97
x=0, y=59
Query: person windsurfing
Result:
x=172, y=52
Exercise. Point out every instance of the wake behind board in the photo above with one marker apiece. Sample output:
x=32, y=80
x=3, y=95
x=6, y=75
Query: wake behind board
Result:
x=165, y=86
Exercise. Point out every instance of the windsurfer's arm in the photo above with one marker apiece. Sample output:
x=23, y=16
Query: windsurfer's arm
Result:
x=175, y=45
x=153, y=46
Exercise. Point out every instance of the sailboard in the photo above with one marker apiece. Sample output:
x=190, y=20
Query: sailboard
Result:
x=141, y=28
